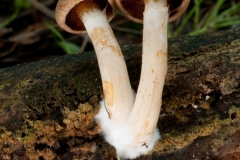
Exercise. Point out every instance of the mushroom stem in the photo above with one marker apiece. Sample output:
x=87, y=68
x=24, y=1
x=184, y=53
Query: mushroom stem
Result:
x=140, y=129
x=118, y=95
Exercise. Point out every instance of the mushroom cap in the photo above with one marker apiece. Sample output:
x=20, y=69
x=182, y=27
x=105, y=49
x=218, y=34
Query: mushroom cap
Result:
x=133, y=9
x=68, y=19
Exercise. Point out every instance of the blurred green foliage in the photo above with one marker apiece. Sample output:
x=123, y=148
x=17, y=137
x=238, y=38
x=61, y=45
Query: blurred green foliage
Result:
x=68, y=47
x=203, y=16
x=18, y=5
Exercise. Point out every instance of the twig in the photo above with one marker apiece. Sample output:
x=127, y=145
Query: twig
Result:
x=39, y=6
x=122, y=29
x=84, y=43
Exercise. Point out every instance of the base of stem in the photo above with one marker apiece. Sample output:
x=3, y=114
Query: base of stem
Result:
x=121, y=138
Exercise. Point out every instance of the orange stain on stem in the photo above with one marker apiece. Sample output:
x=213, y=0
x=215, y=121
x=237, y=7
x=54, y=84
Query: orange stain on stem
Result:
x=101, y=38
x=161, y=52
x=108, y=93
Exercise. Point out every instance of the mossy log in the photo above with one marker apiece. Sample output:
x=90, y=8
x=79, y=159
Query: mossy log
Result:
x=47, y=108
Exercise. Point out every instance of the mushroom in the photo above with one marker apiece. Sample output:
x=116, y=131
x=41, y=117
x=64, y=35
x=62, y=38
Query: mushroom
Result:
x=134, y=9
x=92, y=16
x=139, y=134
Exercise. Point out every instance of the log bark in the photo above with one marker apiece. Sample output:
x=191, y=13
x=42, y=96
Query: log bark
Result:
x=47, y=107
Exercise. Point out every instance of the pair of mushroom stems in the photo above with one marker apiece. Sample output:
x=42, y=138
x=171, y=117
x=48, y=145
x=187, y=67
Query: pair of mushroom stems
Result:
x=129, y=124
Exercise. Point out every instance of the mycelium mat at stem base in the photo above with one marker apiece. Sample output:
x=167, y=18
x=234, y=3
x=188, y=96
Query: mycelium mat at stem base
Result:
x=47, y=108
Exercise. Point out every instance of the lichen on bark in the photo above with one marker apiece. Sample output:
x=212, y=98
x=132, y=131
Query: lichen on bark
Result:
x=47, y=108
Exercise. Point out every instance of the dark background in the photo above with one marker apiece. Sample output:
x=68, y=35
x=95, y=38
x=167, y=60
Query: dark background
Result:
x=28, y=38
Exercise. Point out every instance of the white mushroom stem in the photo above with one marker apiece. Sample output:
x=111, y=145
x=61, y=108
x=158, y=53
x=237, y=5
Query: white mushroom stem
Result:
x=118, y=95
x=139, y=134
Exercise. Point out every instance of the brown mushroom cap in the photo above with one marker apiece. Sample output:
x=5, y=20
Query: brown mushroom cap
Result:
x=133, y=9
x=68, y=18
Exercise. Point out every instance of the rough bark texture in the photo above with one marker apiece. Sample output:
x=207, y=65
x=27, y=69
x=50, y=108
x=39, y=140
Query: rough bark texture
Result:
x=47, y=108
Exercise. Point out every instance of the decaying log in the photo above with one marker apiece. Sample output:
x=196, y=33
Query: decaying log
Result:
x=47, y=108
